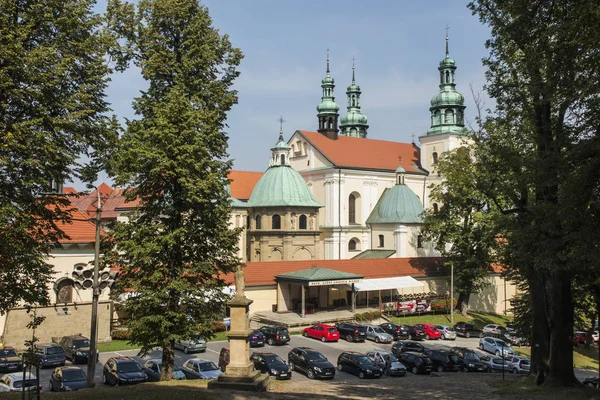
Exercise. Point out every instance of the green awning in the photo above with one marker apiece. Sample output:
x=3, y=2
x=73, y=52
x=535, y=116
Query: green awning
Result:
x=319, y=277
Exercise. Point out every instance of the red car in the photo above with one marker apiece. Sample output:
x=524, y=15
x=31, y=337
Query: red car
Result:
x=429, y=331
x=327, y=333
x=579, y=338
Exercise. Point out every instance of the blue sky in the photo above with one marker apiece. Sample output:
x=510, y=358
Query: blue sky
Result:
x=397, y=45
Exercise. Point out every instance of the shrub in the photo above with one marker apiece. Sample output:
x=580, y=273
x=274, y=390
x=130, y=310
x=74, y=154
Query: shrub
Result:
x=367, y=316
x=218, y=326
x=120, y=334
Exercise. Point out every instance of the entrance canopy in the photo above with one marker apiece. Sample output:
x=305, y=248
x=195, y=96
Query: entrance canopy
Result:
x=399, y=282
x=319, y=277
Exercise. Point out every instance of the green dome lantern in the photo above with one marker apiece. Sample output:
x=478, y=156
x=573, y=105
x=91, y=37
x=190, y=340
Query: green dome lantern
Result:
x=354, y=123
x=447, y=107
x=327, y=110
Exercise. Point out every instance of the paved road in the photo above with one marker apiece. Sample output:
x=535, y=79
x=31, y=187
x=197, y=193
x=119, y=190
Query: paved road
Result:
x=331, y=350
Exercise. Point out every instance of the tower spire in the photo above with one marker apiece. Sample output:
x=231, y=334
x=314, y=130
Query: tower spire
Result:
x=447, y=29
x=327, y=61
x=353, y=58
x=327, y=110
x=354, y=123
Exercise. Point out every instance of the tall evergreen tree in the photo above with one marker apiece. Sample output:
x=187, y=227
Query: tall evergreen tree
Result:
x=174, y=157
x=53, y=77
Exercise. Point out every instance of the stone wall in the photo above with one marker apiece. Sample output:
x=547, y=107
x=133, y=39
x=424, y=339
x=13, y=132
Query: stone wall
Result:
x=60, y=321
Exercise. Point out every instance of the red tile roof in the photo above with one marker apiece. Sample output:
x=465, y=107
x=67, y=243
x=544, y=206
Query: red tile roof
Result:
x=242, y=183
x=80, y=230
x=365, y=153
x=69, y=190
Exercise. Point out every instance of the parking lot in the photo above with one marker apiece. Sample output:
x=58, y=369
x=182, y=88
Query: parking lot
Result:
x=331, y=350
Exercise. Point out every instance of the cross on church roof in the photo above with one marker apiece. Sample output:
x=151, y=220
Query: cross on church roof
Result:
x=281, y=122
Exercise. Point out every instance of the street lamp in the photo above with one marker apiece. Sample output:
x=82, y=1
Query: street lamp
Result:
x=91, y=370
x=452, y=294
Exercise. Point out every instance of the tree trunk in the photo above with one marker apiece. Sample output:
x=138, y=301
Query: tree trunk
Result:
x=540, y=332
x=462, y=304
x=561, y=339
x=168, y=360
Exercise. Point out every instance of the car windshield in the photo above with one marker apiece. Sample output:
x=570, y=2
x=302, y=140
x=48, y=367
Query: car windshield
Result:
x=316, y=357
x=207, y=366
x=449, y=329
x=364, y=360
x=25, y=383
x=8, y=353
x=274, y=359
x=498, y=361
x=378, y=330
x=471, y=356
x=55, y=350
x=331, y=330
x=362, y=329
x=81, y=343
x=175, y=366
x=198, y=339
x=501, y=343
x=389, y=357
x=283, y=332
x=71, y=375
x=129, y=366
x=525, y=362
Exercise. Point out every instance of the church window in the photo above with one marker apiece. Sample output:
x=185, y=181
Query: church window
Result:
x=437, y=117
x=353, y=101
x=282, y=159
x=302, y=222
x=447, y=77
x=352, y=245
x=449, y=117
x=381, y=241
x=247, y=222
x=330, y=125
x=258, y=222
x=420, y=241
x=435, y=158
x=435, y=208
x=64, y=291
x=352, y=209
x=459, y=117
x=276, y=222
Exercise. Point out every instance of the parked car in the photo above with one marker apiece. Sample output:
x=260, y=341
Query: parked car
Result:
x=76, y=348
x=275, y=334
x=352, y=332
x=122, y=370
x=311, y=362
x=195, y=343
x=377, y=334
x=399, y=332
x=414, y=333
x=593, y=382
x=358, y=364
x=417, y=363
x=443, y=360
x=14, y=382
x=429, y=331
x=596, y=336
x=67, y=379
x=323, y=332
x=447, y=332
x=467, y=330
x=519, y=365
x=469, y=360
x=579, y=338
x=256, y=339
x=199, y=368
x=401, y=347
x=10, y=360
x=224, y=357
x=496, y=346
x=494, y=328
x=153, y=367
x=387, y=362
x=494, y=364
x=271, y=364
x=50, y=355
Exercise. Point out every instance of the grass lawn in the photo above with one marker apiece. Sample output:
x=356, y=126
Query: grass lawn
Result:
x=117, y=345
x=477, y=319
x=582, y=358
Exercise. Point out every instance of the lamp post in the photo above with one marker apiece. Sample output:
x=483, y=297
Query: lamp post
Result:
x=91, y=370
x=452, y=294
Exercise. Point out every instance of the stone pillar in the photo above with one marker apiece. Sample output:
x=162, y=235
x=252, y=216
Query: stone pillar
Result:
x=353, y=299
x=303, y=301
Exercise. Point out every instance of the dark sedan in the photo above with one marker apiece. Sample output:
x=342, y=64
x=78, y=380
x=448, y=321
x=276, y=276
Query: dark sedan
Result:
x=271, y=364
x=358, y=364
x=256, y=339
x=414, y=333
x=311, y=362
x=67, y=379
x=399, y=332
x=417, y=363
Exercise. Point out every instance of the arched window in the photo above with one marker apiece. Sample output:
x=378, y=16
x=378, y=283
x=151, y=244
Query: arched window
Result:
x=449, y=117
x=435, y=208
x=302, y=222
x=352, y=209
x=258, y=222
x=435, y=158
x=381, y=241
x=447, y=77
x=64, y=291
x=330, y=123
x=436, y=117
x=420, y=241
x=353, y=101
x=459, y=117
x=247, y=222
x=282, y=159
x=276, y=222
x=352, y=245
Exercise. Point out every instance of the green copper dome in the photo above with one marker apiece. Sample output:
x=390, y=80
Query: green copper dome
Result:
x=447, y=98
x=281, y=186
x=354, y=122
x=398, y=205
x=447, y=62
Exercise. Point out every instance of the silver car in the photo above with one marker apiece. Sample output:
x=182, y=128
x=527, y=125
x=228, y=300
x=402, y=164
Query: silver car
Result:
x=519, y=365
x=495, y=364
x=199, y=368
x=377, y=334
x=448, y=332
x=496, y=346
x=14, y=382
x=197, y=343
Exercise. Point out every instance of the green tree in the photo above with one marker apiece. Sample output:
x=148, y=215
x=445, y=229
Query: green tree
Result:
x=543, y=73
x=461, y=228
x=53, y=77
x=174, y=157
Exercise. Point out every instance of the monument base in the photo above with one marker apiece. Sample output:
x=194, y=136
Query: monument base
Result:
x=255, y=382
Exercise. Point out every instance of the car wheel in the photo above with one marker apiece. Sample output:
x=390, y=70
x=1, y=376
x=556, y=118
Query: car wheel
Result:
x=292, y=366
x=310, y=374
x=414, y=370
x=323, y=339
x=377, y=340
x=186, y=350
x=515, y=371
x=468, y=335
x=427, y=337
x=116, y=383
x=481, y=346
x=104, y=379
x=270, y=341
x=340, y=367
x=361, y=375
x=349, y=338
x=440, y=368
x=497, y=353
x=305, y=334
